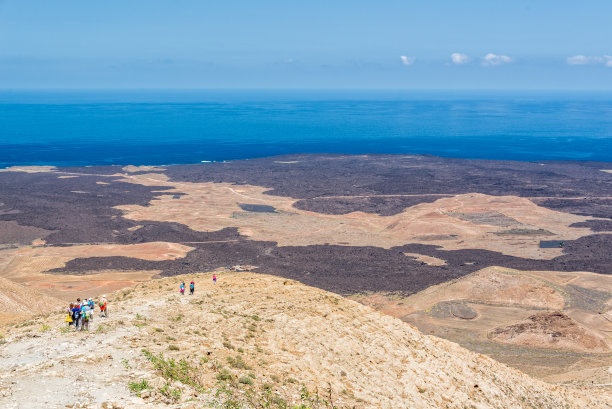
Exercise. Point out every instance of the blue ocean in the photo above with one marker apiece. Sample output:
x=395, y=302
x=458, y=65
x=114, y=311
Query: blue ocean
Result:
x=66, y=128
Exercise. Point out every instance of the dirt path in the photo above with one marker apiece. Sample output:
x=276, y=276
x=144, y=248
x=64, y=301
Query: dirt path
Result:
x=272, y=334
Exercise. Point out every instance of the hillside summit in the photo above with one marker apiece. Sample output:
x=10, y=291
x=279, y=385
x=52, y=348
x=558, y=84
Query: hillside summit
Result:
x=250, y=341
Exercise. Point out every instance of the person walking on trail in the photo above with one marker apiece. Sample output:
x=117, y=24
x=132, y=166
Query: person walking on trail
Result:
x=103, y=307
x=69, y=319
x=191, y=288
x=76, y=314
x=214, y=279
x=182, y=288
x=86, y=315
x=92, y=306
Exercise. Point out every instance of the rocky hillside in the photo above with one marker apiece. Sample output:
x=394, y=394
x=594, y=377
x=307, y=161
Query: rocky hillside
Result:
x=253, y=341
x=18, y=301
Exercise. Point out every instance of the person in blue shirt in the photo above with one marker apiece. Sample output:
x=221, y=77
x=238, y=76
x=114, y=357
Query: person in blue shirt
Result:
x=76, y=314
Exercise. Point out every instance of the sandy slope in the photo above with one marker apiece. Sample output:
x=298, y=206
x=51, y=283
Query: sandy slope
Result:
x=18, y=301
x=286, y=333
x=499, y=303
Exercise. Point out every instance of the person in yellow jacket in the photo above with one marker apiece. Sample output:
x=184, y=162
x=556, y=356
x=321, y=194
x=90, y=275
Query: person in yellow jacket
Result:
x=69, y=315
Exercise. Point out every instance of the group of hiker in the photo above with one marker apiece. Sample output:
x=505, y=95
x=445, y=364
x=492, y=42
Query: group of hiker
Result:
x=192, y=286
x=81, y=313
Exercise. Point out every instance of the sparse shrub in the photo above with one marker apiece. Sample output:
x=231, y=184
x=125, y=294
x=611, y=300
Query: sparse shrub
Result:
x=240, y=350
x=138, y=386
x=224, y=375
x=100, y=329
x=176, y=394
x=158, y=329
x=44, y=327
x=228, y=345
x=173, y=348
x=246, y=380
x=177, y=371
x=237, y=362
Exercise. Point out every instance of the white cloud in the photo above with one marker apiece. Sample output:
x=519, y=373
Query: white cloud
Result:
x=590, y=59
x=583, y=60
x=459, y=58
x=407, y=60
x=495, y=59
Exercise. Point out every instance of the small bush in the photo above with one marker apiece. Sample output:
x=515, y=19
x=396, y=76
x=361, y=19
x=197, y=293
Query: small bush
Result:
x=138, y=386
x=173, y=348
x=158, y=329
x=237, y=362
x=246, y=380
x=45, y=327
x=224, y=375
x=125, y=363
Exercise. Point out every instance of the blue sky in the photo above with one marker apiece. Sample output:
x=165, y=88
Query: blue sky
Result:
x=432, y=44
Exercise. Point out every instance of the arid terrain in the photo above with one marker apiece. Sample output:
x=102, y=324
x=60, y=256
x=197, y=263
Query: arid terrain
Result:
x=252, y=340
x=555, y=326
x=509, y=259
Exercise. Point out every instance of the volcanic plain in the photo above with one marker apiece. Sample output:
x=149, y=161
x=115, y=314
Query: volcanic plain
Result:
x=511, y=259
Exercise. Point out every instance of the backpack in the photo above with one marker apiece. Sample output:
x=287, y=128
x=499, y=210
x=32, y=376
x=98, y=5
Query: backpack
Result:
x=191, y=286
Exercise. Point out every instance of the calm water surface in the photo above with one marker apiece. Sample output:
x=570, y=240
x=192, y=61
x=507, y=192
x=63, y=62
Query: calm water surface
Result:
x=164, y=127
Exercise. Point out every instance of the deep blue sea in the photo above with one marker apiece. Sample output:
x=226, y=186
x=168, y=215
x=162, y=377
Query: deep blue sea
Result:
x=165, y=127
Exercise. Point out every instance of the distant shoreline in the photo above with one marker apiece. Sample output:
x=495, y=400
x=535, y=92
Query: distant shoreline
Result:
x=288, y=158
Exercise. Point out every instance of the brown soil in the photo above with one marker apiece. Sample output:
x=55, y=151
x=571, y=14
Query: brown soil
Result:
x=28, y=265
x=551, y=330
x=430, y=261
x=503, y=298
x=18, y=302
x=285, y=334
x=465, y=221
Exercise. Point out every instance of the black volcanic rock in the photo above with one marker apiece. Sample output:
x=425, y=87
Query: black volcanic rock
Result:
x=81, y=210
